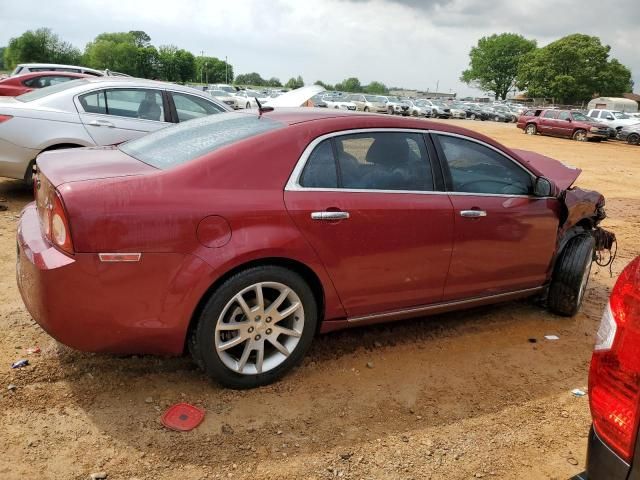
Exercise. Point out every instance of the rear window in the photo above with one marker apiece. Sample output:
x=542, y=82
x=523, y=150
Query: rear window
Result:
x=187, y=141
x=43, y=92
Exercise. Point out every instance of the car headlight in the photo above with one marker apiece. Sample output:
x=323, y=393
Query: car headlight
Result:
x=594, y=129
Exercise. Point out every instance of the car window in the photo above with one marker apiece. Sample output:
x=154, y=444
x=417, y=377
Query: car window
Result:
x=94, y=102
x=320, y=170
x=564, y=116
x=384, y=161
x=46, y=81
x=44, y=92
x=182, y=143
x=476, y=168
x=189, y=107
x=550, y=114
x=135, y=103
x=594, y=114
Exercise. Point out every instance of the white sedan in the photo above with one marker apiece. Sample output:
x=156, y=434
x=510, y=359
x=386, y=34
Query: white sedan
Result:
x=89, y=112
x=336, y=102
x=247, y=98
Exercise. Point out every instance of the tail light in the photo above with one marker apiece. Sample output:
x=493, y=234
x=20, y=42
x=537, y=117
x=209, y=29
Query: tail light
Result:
x=614, y=377
x=53, y=216
x=4, y=118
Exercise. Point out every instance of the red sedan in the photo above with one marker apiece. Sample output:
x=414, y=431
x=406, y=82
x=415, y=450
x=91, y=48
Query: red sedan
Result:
x=239, y=236
x=14, y=86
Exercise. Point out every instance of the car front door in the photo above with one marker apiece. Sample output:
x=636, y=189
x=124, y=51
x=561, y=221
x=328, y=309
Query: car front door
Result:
x=115, y=115
x=374, y=218
x=504, y=236
x=564, y=125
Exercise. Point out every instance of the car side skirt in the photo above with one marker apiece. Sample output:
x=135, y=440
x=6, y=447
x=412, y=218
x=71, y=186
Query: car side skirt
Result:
x=432, y=309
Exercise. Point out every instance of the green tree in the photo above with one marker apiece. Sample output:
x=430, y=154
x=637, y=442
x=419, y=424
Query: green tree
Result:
x=212, y=70
x=326, y=86
x=253, y=79
x=573, y=69
x=274, y=82
x=494, y=62
x=351, y=84
x=294, y=82
x=2, y=49
x=185, y=64
x=42, y=46
x=126, y=52
x=376, y=88
x=166, y=63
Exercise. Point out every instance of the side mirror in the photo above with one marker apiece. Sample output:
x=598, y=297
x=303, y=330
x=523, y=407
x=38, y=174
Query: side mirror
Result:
x=569, y=120
x=542, y=187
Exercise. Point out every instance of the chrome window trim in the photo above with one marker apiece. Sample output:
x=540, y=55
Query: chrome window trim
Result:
x=293, y=183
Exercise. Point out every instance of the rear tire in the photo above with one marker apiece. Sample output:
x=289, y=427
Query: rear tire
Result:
x=366, y=109
x=633, y=139
x=571, y=275
x=223, y=320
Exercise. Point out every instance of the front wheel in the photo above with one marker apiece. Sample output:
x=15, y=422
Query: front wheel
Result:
x=248, y=105
x=571, y=275
x=580, y=135
x=366, y=109
x=530, y=129
x=256, y=327
x=496, y=118
x=472, y=116
x=633, y=139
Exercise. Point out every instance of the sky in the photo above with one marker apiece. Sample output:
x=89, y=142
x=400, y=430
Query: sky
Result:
x=417, y=44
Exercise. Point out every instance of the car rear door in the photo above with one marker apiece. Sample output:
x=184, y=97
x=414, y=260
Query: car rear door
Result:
x=547, y=122
x=504, y=237
x=374, y=218
x=115, y=115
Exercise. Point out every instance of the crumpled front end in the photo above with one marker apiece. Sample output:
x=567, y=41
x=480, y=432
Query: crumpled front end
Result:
x=583, y=210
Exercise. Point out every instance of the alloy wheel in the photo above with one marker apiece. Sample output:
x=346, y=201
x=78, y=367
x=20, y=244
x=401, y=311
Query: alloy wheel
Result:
x=259, y=328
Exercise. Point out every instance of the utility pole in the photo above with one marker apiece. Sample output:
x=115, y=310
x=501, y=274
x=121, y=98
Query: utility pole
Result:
x=437, y=85
x=201, y=63
x=226, y=76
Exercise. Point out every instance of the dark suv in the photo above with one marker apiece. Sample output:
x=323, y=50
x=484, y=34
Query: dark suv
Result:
x=614, y=385
x=562, y=123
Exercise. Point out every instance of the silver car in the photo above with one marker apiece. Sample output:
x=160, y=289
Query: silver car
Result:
x=89, y=112
x=224, y=97
x=368, y=103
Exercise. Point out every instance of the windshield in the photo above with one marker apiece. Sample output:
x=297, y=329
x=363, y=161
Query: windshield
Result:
x=43, y=92
x=187, y=141
x=375, y=98
x=620, y=115
x=251, y=93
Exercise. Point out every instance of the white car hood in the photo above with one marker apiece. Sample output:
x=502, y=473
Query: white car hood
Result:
x=295, y=98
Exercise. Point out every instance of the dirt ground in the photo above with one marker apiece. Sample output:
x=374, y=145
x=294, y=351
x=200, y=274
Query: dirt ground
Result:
x=456, y=396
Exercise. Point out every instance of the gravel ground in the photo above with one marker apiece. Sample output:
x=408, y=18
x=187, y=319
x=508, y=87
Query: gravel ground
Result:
x=456, y=396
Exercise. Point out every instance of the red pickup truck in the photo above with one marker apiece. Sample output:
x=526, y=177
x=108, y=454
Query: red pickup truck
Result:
x=562, y=123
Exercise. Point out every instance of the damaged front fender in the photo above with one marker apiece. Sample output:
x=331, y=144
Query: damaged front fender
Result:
x=582, y=212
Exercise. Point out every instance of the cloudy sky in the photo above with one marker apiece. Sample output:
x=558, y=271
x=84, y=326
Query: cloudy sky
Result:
x=413, y=43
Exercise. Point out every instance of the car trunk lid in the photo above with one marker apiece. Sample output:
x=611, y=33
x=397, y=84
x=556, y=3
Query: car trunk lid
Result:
x=562, y=175
x=74, y=165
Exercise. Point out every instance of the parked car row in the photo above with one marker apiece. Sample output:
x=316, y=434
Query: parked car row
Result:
x=597, y=125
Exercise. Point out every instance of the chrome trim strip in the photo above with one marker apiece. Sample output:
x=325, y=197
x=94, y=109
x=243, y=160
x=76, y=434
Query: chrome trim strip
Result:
x=436, y=306
x=293, y=184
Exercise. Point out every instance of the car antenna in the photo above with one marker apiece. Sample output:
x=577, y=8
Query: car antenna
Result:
x=262, y=109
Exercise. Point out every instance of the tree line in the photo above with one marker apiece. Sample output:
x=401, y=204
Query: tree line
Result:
x=132, y=53
x=125, y=52
x=570, y=70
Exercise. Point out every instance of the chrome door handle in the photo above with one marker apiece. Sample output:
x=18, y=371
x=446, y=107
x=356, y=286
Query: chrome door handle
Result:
x=329, y=215
x=473, y=213
x=101, y=123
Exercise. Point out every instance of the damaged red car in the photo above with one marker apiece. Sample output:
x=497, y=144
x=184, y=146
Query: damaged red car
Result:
x=240, y=236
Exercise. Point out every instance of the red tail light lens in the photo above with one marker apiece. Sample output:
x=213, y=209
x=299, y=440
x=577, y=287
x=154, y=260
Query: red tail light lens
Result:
x=53, y=216
x=614, y=378
x=4, y=118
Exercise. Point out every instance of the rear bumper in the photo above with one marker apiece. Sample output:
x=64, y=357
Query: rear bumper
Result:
x=136, y=307
x=602, y=462
x=15, y=159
